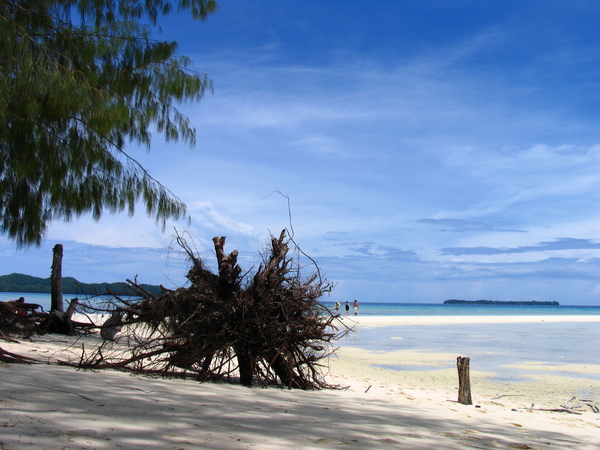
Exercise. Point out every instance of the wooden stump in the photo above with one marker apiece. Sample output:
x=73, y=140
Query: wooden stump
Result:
x=464, y=380
x=56, y=280
x=59, y=322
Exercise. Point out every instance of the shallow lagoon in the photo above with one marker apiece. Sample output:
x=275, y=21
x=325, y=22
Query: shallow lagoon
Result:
x=493, y=348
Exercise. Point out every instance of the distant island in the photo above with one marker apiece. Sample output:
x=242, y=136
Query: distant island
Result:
x=17, y=282
x=499, y=302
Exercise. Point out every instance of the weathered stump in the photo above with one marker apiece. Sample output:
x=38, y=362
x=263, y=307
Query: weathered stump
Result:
x=464, y=380
x=59, y=322
x=56, y=280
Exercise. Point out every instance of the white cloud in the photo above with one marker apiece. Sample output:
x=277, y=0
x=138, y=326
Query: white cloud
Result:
x=112, y=231
x=206, y=216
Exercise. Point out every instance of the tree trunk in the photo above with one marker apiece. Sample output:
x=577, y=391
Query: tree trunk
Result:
x=56, y=302
x=464, y=380
x=57, y=321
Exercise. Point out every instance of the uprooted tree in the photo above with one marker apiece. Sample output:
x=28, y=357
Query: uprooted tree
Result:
x=267, y=327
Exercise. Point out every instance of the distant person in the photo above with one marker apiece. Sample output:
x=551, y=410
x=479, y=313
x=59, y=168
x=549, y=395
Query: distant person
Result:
x=21, y=304
x=336, y=309
x=347, y=307
x=355, y=308
x=18, y=306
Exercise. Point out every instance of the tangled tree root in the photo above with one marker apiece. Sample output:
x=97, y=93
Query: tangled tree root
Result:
x=265, y=328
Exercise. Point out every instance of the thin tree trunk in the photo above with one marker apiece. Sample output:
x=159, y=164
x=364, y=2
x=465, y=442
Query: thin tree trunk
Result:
x=56, y=302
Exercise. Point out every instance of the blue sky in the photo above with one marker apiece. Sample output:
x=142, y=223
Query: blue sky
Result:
x=429, y=150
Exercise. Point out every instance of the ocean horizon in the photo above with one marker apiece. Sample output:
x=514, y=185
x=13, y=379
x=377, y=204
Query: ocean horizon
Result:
x=392, y=309
x=441, y=309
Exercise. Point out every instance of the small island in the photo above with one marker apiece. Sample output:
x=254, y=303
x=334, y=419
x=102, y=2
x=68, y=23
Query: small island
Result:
x=500, y=302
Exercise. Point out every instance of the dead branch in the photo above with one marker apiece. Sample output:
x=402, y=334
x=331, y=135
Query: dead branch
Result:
x=18, y=318
x=13, y=358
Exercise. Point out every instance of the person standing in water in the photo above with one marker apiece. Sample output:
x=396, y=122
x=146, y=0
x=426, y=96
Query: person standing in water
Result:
x=347, y=307
x=355, y=308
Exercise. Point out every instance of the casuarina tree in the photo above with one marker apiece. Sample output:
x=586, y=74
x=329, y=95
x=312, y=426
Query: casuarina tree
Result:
x=80, y=79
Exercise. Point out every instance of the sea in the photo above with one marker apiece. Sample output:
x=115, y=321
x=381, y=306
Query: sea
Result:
x=441, y=309
x=394, y=309
x=41, y=299
x=494, y=348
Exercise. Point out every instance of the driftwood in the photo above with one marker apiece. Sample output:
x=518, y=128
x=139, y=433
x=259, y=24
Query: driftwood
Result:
x=561, y=410
x=564, y=408
x=506, y=395
x=265, y=328
x=590, y=403
x=594, y=408
x=21, y=319
x=13, y=358
x=566, y=405
x=18, y=318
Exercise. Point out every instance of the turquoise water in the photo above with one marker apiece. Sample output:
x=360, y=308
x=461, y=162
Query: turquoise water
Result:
x=431, y=309
x=41, y=299
x=395, y=309
x=491, y=347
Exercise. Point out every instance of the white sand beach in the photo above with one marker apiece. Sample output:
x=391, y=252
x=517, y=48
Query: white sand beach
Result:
x=51, y=406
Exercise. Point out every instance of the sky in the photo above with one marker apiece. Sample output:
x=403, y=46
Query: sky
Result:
x=419, y=150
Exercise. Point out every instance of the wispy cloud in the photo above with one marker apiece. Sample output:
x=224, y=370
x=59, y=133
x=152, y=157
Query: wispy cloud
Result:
x=552, y=246
x=463, y=226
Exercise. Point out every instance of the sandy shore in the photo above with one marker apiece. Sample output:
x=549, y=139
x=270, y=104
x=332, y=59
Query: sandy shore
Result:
x=50, y=406
x=382, y=321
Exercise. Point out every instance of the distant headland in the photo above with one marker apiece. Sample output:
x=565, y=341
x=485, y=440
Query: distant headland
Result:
x=17, y=282
x=499, y=302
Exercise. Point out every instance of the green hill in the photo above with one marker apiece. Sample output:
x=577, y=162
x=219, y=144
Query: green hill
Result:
x=17, y=282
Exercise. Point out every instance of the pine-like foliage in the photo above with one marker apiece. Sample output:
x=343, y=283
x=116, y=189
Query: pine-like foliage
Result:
x=79, y=79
